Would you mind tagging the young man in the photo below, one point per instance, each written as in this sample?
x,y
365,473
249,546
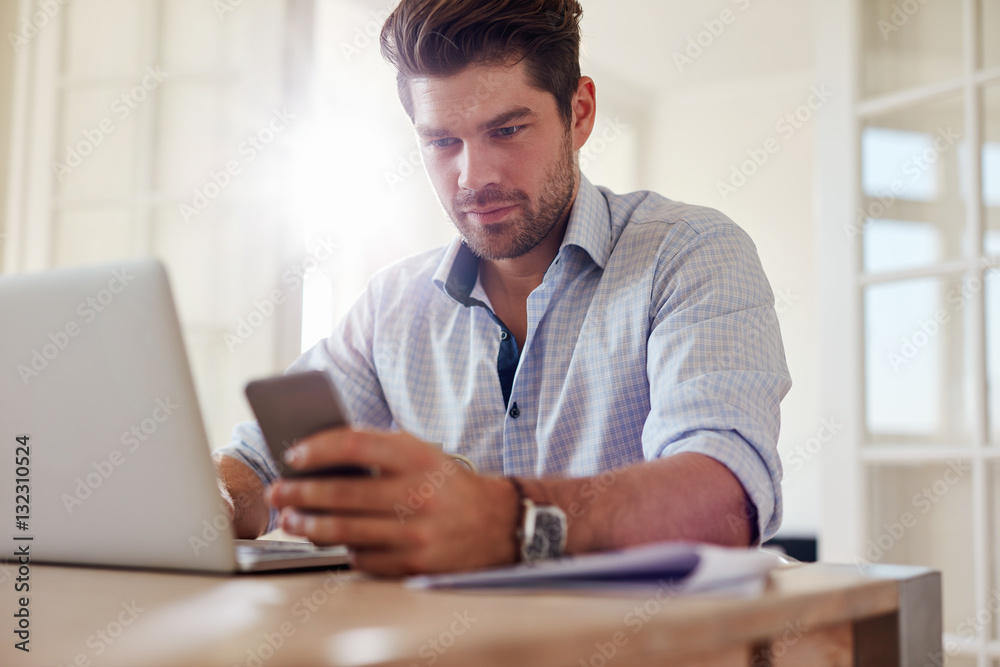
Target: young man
x,y
617,358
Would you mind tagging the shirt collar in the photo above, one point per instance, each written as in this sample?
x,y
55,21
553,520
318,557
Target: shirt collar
x,y
458,272
589,228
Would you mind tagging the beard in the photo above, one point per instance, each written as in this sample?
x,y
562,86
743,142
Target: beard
x,y
520,234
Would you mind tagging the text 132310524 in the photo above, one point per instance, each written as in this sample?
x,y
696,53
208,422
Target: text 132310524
x,y
22,542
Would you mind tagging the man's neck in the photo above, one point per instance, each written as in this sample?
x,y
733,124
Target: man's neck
x,y
509,282
517,277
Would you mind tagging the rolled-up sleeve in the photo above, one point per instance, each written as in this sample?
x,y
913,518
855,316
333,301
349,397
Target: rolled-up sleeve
x,y
716,364
247,445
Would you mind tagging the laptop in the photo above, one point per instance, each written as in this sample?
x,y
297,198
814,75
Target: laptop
x,y
105,460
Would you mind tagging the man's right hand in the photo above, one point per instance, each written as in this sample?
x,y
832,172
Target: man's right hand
x,y
244,493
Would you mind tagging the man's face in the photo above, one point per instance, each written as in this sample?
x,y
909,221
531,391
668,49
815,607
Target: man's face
x,y
498,155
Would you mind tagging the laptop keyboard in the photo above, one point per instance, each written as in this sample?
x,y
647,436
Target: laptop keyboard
x,y
276,547
265,555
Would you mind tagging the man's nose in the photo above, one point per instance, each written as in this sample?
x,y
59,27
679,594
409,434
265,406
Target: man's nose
x,y
479,168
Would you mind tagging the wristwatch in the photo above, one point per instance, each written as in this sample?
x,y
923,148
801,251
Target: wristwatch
x,y
541,533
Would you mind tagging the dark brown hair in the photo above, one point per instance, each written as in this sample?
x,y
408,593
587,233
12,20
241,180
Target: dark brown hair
x,y
443,37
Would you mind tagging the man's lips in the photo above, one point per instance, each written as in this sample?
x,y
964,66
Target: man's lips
x,y
489,215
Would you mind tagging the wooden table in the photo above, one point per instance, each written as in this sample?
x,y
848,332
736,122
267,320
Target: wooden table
x,y
811,615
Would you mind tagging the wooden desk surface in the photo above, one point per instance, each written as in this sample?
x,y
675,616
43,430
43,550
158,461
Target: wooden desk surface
x,y
93,616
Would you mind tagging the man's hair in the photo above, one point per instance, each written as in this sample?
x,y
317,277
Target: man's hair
x,y
442,37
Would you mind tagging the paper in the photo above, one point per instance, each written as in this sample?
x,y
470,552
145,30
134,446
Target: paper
x,y
688,567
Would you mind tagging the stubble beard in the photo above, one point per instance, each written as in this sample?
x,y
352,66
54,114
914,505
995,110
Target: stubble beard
x,y
520,234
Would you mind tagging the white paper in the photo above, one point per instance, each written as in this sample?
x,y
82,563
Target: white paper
x,y
686,566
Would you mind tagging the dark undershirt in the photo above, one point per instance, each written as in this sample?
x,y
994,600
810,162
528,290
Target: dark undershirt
x,y
461,280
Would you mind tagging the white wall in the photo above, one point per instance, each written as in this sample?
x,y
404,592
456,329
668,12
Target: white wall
x,y
8,16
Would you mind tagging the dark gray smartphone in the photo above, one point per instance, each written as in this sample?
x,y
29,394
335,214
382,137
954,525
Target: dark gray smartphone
x,y
291,407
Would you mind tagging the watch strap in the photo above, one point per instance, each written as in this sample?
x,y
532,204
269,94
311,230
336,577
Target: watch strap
x,y
522,511
535,523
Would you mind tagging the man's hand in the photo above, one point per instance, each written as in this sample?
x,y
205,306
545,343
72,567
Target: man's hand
x,y
243,492
423,513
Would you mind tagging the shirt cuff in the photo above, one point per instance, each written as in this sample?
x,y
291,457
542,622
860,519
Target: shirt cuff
x,y
734,452
247,446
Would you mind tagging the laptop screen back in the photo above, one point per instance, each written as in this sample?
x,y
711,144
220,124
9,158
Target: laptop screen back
x,y
94,374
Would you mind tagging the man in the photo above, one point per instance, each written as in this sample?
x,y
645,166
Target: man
x,y
616,357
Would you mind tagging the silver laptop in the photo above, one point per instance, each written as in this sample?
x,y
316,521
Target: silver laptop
x,y
104,459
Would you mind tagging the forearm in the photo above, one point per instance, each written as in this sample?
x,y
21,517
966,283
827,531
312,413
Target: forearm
x,y
686,496
245,492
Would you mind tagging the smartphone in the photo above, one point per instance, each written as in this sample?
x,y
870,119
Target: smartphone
x,y
291,407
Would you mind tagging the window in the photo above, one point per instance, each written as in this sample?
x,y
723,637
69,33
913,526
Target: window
x,y
909,218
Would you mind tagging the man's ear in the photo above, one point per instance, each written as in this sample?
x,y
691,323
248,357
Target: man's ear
x,y
584,112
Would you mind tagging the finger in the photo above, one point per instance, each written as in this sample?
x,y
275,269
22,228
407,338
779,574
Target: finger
x,y
389,452
353,531
336,494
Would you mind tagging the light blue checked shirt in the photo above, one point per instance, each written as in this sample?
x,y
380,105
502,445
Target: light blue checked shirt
x,y
653,333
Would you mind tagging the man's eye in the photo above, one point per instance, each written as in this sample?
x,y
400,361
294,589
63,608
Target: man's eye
x,y
443,143
510,131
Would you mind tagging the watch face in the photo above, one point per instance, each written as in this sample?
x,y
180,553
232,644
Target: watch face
x,y
550,534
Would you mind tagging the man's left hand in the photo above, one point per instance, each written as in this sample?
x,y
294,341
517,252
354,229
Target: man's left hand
x,y
424,512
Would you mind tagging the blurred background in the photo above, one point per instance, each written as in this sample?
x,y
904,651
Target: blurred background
x,y
259,149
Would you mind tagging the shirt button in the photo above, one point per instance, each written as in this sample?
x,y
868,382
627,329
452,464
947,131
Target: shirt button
x,y
503,335
514,411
